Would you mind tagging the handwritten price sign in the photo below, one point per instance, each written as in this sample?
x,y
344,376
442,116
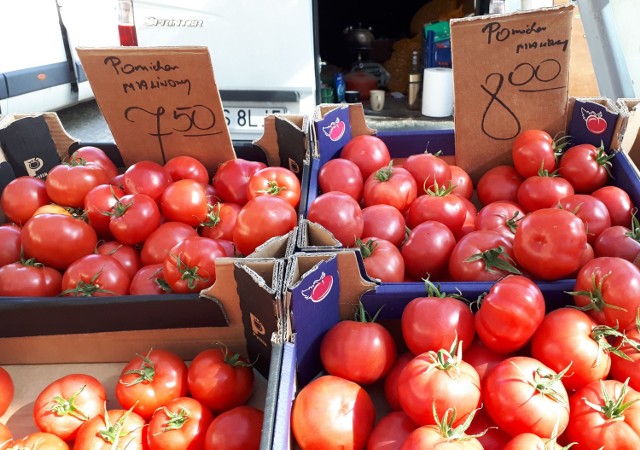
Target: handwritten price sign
x,y
160,102
511,73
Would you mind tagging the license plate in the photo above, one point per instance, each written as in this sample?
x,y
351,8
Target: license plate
x,y
249,118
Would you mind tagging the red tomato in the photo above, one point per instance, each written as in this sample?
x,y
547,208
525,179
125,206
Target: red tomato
x,y
127,255
21,197
533,134
391,431
501,216
39,441
436,321
220,380
239,428
590,210
482,359
278,181
549,243
97,156
68,183
533,153
618,203
369,153
392,186
340,214
187,167
433,436
149,280
619,241
433,383
7,390
180,424
190,266
148,178
98,202
509,314
382,260
10,244
157,246
605,415
500,183
608,288
345,421
27,278
482,255
391,380
232,177
530,441
522,395
185,201
64,405
118,429
542,191
221,221
95,275
627,369
133,218
74,239
439,205
428,170
487,432
148,382
470,217
359,350
427,249
384,222
462,181
6,437
585,167
342,175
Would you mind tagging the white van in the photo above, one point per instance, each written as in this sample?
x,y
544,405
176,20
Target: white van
x,y
264,53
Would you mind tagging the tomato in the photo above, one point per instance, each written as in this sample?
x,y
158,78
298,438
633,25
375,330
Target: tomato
x,y
586,167
369,153
133,218
487,432
549,243
441,437
190,265
482,359
149,280
501,216
179,424
391,380
509,314
542,191
21,197
618,203
278,181
342,175
434,382
427,249
568,336
391,431
67,403
469,223
428,170
148,178
439,205
619,241
533,153
382,260
7,390
533,134
220,221
98,203
185,201
500,183
95,275
239,428
220,380
10,244
150,381
117,429
340,214
68,183
345,421
28,278
530,441
522,395
6,437
232,178
462,181
384,222
358,350
590,210
608,289
39,441
393,186
72,239
187,167
482,255
127,255
161,240
626,368
436,321
605,414
95,155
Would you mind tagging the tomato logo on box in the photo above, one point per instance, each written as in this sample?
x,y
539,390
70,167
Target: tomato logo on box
x,y
594,121
319,289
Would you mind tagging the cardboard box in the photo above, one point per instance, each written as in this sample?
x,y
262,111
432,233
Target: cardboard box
x,y
630,128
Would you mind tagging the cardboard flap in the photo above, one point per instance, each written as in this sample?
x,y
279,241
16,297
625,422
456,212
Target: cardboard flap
x,y
315,235
334,125
286,141
630,143
594,121
160,102
511,73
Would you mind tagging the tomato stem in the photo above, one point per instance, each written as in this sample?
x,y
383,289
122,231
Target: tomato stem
x,y
495,260
613,408
145,373
60,406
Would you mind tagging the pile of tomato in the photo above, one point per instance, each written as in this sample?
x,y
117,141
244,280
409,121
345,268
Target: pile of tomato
x,y
544,216
89,229
159,403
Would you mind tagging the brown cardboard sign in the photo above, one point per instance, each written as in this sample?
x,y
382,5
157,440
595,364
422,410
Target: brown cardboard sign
x,y
511,73
160,102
